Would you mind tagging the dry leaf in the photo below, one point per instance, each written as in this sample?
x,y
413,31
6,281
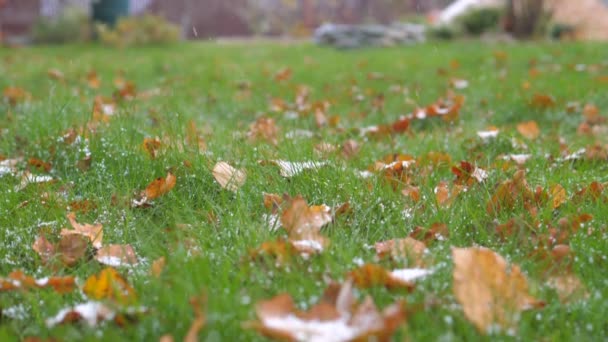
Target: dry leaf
x,y
94,232
491,292
152,146
157,188
200,319
569,287
158,266
116,255
289,169
228,177
337,317
408,248
109,284
370,275
90,312
72,248
264,129
17,280
558,196
44,248
529,129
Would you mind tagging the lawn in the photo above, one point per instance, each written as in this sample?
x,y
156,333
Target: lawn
x,y
199,104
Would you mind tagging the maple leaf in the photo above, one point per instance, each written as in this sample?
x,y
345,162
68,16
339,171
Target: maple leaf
x,y
228,177
109,284
511,192
94,232
491,292
337,317
116,255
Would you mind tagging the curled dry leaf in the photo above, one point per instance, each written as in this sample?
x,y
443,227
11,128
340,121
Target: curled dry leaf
x,y
109,284
371,275
17,280
558,196
337,317
467,174
152,146
94,232
94,313
157,267
116,255
200,319
72,248
303,225
159,187
228,177
289,169
491,292
408,248
44,248
437,231
264,129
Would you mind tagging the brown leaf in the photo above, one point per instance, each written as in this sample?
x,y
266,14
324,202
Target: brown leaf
x,y
200,319
40,164
264,129
558,196
44,248
152,146
437,231
408,248
529,129
109,284
228,177
158,266
337,317
543,101
491,292
15,95
371,275
72,248
94,232
17,280
569,287
93,80
116,255
160,186
303,224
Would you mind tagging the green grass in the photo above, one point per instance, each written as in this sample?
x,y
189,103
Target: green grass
x,y
200,83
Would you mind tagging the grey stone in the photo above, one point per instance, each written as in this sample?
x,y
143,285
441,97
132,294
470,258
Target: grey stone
x,y
358,36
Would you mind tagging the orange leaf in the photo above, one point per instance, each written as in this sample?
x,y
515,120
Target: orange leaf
x,y
407,248
529,129
200,319
17,280
152,146
158,266
370,275
109,284
160,186
94,232
491,292
558,196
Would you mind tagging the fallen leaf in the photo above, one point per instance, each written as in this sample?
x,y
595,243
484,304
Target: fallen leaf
x,y
55,74
264,129
407,248
198,303
371,275
160,186
228,177
289,169
44,248
437,231
15,95
569,287
491,292
529,129
158,266
72,248
116,255
94,232
558,196
90,312
93,80
17,280
152,146
337,317
109,284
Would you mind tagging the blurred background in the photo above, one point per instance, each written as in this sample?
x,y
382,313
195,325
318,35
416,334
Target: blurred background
x,y
58,21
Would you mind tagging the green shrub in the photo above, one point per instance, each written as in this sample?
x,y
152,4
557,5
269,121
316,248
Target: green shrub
x,y
481,20
137,31
443,32
71,26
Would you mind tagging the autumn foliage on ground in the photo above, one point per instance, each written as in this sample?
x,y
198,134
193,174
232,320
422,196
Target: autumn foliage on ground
x,y
219,192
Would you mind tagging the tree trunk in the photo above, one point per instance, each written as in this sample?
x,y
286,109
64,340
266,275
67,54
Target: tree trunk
x,y
523,17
